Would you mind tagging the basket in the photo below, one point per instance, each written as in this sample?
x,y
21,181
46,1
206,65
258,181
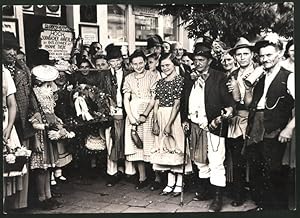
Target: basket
x,y
168,153
95,143
17,166
166,158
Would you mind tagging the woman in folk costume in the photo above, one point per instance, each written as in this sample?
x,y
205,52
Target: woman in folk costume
x,y
138,92
24,99
12,181
169,137
49,129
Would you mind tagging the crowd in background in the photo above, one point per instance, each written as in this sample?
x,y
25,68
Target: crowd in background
x,y
217,118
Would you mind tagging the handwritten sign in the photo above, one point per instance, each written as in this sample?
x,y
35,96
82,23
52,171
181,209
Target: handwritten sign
x,y
57,40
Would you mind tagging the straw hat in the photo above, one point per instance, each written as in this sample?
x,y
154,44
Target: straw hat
x,y
45,73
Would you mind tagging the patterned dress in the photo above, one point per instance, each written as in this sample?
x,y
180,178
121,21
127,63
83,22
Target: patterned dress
x,y
141,91
49,155
167,92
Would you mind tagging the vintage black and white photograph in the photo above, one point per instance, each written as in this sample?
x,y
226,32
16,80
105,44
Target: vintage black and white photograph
x,y
158,108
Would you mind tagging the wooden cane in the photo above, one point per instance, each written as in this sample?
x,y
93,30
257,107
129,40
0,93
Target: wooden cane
x,y
183,170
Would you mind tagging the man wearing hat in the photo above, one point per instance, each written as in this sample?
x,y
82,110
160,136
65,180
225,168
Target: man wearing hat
x,y
206,105
25,103
113,81
154,45
243,53
270,125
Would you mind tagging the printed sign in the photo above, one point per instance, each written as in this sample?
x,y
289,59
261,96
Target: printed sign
x,y
57,40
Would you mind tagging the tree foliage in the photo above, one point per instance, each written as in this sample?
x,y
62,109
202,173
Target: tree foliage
x,y
232,20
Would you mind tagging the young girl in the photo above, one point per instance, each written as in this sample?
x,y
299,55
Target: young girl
x,y
167,123
49,129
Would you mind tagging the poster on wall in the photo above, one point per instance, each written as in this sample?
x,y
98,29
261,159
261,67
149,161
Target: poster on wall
x,y
89,33
57,40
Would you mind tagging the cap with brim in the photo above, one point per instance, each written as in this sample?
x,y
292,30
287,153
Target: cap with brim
x,y
40,57
45,73
153,41
202,49
114,52
241,43
10,41
270,39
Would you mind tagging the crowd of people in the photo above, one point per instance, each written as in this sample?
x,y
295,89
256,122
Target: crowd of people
x,y
162,118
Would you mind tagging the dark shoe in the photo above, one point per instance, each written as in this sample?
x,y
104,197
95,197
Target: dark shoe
x,y
203,193
56,194
217,203
177,191
237,202
131,179
202,196
167,190
141,184
56,204
155,186
112,180
46,205
215,206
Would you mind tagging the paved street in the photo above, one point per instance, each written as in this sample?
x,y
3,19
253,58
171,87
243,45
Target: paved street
x,y
123,198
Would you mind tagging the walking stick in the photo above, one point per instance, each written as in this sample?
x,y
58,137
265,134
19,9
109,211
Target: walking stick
x,y
184,160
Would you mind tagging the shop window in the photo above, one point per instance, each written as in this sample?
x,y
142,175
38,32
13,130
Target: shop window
x,y
170,28
116,23
88,13
145,26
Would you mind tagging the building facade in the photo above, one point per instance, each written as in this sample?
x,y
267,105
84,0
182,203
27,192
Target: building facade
x,y
120,24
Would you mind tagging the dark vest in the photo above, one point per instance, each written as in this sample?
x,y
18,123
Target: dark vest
x,y
279,103
216,98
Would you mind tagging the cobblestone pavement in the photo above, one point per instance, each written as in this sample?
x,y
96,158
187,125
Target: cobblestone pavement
x,y
123,198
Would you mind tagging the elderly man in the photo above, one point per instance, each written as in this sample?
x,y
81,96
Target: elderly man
x,y
270,125
243,53
205,106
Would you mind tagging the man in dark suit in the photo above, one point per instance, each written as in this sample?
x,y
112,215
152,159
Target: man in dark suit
x,y
206,104
112,82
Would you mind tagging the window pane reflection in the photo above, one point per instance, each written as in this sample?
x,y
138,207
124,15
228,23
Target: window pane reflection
x,y
169,28
145,26
116,23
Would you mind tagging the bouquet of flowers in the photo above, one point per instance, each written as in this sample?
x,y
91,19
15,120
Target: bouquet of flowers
x,y
91,103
